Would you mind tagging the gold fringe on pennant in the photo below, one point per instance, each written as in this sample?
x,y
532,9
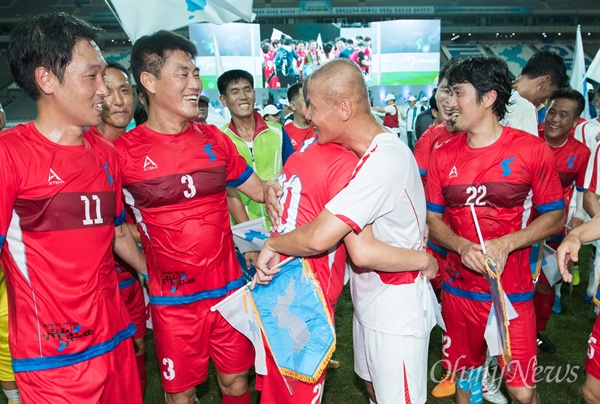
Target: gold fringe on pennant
x,y
538,263
506,352
308,272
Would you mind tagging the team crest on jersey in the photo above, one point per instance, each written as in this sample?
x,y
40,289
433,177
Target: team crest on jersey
x,y
149,164
53,178
453,173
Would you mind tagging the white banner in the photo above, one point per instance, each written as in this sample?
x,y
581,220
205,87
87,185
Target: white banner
x,y
144,17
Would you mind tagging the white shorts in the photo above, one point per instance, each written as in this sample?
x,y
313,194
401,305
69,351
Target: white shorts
x,y
396,365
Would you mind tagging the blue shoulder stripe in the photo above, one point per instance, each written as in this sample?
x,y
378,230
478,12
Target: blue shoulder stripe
x,y
551,206
2,240
242,178
119,220
205,294
432,207
580,189
423,172
56,361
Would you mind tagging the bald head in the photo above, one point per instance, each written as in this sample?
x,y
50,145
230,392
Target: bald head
x,y
338,80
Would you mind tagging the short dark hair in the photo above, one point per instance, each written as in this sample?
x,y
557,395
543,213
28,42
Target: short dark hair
x,y
570,94
446,67
358,37
118,66
547,63
46,40
433,102
485,73
293,91
232,77
150,53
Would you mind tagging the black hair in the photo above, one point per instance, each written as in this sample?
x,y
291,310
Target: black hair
x,y
232,77
265,47
433,102
150,53
46,40
547,63
485,73
570,94
118,66
328,47
293,91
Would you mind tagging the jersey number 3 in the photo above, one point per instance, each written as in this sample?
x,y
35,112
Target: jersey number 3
x,y
191,191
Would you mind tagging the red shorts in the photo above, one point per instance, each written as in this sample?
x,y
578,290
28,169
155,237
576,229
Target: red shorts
x,y
109,378
187,335
133,297
275,390
464,345
592,363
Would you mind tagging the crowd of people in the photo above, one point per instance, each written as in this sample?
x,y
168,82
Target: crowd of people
x,y
287,61
420,219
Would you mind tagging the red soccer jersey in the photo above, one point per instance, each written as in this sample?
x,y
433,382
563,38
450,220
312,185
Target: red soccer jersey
x,y
499,181
571,161
298,135
176,185
58,208
310,178
432,138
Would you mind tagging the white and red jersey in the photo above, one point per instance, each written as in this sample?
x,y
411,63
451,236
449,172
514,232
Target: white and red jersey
x,y
310,178
587,132
592,178
298,135
386,191
176,187
58,209
502,181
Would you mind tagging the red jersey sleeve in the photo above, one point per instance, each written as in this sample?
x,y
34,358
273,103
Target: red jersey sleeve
x,y
546,187
433,188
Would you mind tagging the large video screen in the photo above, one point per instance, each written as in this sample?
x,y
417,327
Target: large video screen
x,y
226,47
405,52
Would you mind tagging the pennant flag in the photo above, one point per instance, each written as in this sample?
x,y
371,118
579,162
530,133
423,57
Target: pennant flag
x,y
250,235
499,308
277,34
319,42
292,313
144,17
593,72
238,310
578,81
550,265
296,323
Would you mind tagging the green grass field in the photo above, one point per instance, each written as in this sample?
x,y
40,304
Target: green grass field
x,y
559,381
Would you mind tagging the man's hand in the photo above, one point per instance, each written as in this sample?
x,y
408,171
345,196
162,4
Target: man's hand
x,y
251,258
472,257
272,193
498,250
567,251
432,269
267,259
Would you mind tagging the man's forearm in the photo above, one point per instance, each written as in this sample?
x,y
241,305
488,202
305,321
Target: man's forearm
x,y
127,249
591,204
312,238
588,231
544,226
442,234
